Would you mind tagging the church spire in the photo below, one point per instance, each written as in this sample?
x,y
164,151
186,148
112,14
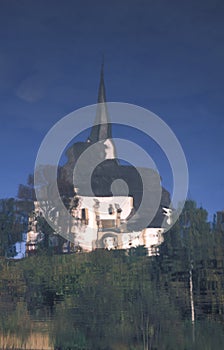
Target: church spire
x,y
101,129
102,90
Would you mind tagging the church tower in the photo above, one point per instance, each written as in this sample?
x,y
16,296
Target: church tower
x,y
100,134
102,130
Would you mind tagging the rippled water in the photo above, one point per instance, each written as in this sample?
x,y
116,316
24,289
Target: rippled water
x,y
111,300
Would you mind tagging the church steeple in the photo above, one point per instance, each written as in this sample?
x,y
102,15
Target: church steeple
x,y
102,90
101,129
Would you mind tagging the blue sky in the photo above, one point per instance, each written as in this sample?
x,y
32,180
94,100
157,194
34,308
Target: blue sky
x,y
166,56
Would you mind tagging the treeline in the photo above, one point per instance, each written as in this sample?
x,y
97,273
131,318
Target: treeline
x,y
14,213
13,222
119,300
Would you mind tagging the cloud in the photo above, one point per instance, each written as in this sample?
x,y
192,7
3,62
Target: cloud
x,y
32,88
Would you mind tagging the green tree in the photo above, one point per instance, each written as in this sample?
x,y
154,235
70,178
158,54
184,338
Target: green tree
x,y
13,221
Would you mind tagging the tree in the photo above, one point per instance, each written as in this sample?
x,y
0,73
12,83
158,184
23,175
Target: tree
x,y
12,224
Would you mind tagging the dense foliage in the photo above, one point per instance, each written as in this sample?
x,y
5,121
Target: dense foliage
x,y
114,300
13,222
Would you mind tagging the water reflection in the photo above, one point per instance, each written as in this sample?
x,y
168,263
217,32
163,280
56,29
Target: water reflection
x,y
111,300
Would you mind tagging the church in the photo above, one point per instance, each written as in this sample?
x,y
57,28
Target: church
x,y
103,219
